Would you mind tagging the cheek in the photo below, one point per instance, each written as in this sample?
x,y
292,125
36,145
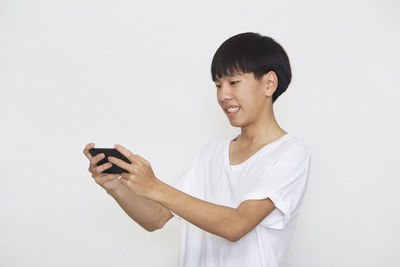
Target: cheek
x,y
251,105
246,102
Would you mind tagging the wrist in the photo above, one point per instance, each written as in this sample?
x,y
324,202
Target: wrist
x,y
157,193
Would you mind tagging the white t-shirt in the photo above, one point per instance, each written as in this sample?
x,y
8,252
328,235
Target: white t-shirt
x,y
279,171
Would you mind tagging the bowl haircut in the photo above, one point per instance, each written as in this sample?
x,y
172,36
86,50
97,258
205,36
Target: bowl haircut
x,y
252,52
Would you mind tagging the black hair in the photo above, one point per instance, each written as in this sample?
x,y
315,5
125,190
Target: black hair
x,y
252,52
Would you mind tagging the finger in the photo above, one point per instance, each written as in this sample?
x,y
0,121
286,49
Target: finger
x,y
99,169
120,163
95,160
125,175
122,179
86,150
142,159
125,182
126,153
103,178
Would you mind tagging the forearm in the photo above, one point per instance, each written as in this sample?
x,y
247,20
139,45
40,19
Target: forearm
x,y
145,212
220,220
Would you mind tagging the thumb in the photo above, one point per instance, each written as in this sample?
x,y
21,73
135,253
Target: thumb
x,y
106,177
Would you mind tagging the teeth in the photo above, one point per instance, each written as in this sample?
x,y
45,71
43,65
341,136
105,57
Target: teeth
x,y
233,109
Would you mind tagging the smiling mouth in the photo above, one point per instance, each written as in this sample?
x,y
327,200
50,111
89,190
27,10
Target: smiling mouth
x,y
232,110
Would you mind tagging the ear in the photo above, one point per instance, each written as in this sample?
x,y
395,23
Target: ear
x,y
270,82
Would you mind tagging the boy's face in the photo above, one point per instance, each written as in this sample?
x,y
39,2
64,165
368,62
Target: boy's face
x,y
249,98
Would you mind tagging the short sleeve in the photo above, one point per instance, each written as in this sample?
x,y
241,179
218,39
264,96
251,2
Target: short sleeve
x,y
285,184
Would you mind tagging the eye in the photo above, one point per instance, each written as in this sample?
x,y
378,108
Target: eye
x,y
217,85
234,82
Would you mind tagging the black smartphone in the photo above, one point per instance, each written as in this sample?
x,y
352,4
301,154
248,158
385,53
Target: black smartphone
x,y
109,152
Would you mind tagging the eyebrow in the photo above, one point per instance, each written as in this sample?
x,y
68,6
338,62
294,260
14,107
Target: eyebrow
x,y
231,75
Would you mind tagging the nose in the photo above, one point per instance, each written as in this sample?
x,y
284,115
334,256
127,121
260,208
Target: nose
x,y
224,92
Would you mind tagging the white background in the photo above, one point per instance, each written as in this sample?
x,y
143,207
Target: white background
x,y
138,74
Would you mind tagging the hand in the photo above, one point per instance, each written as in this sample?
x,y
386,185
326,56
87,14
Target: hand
x,y
108,181
140,179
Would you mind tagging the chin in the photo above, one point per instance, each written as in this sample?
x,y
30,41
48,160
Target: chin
x,y
235,123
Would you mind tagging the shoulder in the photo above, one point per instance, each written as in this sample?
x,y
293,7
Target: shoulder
x,y
293,150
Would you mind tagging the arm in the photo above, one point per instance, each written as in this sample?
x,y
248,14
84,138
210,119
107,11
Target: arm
x,y
229,223
147,213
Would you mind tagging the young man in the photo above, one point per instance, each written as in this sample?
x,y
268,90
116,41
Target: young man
x,y
240,197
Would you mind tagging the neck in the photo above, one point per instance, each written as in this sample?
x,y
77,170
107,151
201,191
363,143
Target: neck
x,y
264,130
